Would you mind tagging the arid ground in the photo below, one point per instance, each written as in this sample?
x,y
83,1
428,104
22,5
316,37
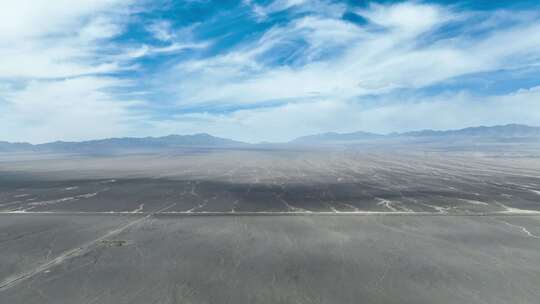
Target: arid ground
x,y
270,227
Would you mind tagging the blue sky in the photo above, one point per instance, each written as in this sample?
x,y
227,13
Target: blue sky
x,y
264,70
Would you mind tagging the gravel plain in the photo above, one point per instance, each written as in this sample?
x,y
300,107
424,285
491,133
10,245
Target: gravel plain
x,y
270,227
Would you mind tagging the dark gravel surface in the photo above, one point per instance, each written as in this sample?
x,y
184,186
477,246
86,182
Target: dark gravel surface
x,y
272,259
274,182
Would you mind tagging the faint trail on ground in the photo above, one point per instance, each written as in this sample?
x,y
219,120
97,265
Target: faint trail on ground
x,y
66,255
523,229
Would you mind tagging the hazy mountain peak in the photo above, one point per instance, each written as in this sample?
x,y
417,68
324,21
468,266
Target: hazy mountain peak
x,y
126,144
499,131
509,132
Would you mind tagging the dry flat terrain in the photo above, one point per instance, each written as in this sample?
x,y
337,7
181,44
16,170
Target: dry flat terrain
x,y
274,181
270,227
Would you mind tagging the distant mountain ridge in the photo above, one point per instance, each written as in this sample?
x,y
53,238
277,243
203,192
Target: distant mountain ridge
x,y
500,131
510,130
503,133
125,144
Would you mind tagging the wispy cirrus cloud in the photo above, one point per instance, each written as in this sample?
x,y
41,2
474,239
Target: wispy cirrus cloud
x,y
332,58
45,39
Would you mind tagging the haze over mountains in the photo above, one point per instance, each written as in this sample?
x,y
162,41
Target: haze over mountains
x,y
510,132
502,133
125,144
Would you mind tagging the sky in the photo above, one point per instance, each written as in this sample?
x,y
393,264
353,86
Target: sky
x,y
267,70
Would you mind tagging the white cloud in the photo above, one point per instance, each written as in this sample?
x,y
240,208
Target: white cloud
x,y
359,60
283,123
177,40
58,60
37,18
99,28
242,76
319,7
406,17
50,39
48,50
147,50
58,67
277,5
71,109
161,30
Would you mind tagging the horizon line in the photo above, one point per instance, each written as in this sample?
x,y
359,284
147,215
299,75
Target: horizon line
x,y
267,142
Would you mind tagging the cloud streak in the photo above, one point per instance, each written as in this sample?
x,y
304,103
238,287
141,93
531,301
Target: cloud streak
x,y
333,58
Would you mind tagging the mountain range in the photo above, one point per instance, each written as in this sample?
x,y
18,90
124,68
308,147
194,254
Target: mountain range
x,y
126,144
503,133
